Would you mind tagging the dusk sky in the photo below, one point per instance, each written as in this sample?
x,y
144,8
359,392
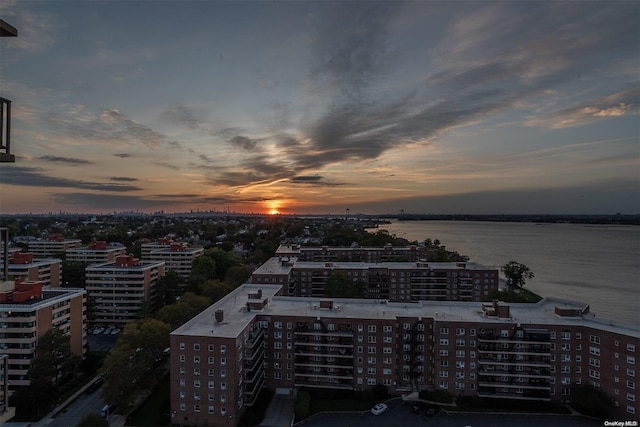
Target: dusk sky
x,y
319,107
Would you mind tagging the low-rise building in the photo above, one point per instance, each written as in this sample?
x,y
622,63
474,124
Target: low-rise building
x,y
27,311
120,290
52,246
255,338
97,251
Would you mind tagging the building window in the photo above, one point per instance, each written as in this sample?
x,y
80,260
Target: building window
x,y
566,335
594,339
210,347
196,347
182,346
196,359
444,331
631,360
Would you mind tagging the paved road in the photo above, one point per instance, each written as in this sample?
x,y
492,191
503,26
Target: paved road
x,y
85,404
401,415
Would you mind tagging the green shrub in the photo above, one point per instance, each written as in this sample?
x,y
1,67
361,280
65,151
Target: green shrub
x,y
303,403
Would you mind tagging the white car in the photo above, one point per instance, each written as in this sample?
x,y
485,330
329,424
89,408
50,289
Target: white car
x,y
379,409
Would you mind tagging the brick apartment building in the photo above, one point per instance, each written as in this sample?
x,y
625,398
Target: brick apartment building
x,y
27,312
23,265
255,338
177,256
385,253
97,251
120,289
393,281
54,245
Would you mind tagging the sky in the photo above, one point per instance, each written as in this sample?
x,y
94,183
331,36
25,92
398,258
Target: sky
x,y
321,107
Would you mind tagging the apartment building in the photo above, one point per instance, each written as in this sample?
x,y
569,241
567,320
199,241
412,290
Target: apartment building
x,y
255,337
159,244
54,245
97,251
393,281
385,253
120,289
27,311
23,266
176,256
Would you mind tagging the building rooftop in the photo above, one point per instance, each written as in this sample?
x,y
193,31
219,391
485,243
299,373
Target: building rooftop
x,y
236,316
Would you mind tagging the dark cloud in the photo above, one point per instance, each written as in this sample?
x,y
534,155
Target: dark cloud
x,y
109,125
124,155
182,115
349,50
243,142
70,161
109,202
167,165
35,177
313,180
123,179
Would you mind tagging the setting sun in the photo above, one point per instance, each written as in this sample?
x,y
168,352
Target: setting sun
x,y
273,212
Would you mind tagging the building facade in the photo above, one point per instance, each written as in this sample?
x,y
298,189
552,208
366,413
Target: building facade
x,y
176,256
23,266
121,289
27,312
393,281
97,251
385,253
255,337
53,246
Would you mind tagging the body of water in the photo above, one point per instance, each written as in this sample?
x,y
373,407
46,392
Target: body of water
x,y
597,265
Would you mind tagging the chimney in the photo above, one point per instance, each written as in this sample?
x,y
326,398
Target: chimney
x,y
219,315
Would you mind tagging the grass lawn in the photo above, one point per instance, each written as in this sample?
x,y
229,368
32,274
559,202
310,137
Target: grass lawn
x,y
150,413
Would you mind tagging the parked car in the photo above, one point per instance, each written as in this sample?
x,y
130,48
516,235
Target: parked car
x,y
96,385
115,331
379,409
432,410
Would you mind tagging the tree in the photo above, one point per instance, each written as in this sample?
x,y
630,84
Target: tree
x,y
516,274
74,274
170,287
340,285
181,311
129,365
53,360
237,275
214,290
93,420
203,269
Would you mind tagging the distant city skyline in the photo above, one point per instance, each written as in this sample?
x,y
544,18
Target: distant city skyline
x,y
322,107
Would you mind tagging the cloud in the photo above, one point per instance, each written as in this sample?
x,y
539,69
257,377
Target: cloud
x,y
108,202
313,180
123,179
182,115
35,29
124,155
66,160
34,177
243,142
108,125
615,105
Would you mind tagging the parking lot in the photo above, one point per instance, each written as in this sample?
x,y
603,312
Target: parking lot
x,y
401,414
101,342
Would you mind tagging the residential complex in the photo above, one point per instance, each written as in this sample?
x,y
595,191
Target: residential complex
x,y
120,290
23,265
27,312
358,254
97,251
176,256
256,337
393,281
53,246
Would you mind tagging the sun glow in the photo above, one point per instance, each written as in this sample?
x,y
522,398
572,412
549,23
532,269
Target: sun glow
x,y
273,207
